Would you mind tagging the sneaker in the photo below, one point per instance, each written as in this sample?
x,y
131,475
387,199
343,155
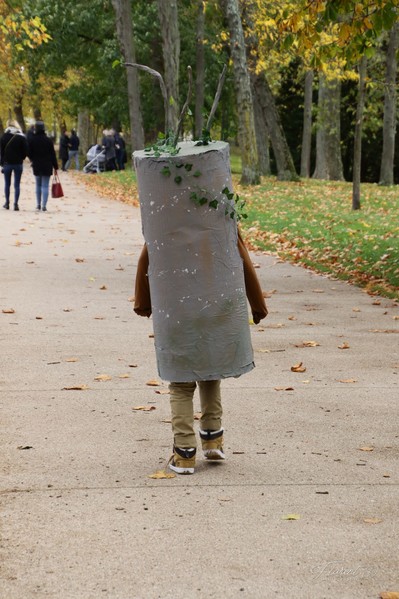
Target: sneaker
x,y
212,444
44,209
183,460
37,208
16,207
6,206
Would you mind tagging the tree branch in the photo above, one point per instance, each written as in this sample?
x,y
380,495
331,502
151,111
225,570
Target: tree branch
x,y
217,98
185,107
161,82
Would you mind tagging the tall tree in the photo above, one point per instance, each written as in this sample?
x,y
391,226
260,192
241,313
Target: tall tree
x,y
124,29
200,70
357,154
328,136
168,17
389,127
307,125
246,123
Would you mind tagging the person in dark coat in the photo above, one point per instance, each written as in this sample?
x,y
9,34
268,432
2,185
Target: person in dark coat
x,y
13,151
120,147
44,162
108,144
64,147
73,153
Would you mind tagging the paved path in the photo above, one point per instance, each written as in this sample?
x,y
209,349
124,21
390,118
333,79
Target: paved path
x,y
80,517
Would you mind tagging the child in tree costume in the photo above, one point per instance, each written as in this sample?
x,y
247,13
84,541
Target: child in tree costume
x,y
194,276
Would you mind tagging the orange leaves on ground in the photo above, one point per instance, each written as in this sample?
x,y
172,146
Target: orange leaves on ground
x,y
153,383
103,377
76,388
80,260
389,595
298,367
347,380
366,448
144,408
162,474
345,345
8,311
307,344
284,388
372,520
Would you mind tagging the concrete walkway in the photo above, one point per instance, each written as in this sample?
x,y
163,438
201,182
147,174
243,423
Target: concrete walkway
x,y
305,506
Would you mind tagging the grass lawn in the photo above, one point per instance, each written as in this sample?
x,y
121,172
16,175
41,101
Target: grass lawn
x,y
309,223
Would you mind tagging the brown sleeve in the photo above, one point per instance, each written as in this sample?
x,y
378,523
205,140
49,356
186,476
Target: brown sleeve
x,y
252,285
142,297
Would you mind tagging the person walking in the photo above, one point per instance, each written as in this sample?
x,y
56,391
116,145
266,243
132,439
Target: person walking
x,y
44,162
13,151
73,152
64,149
108,144
120,148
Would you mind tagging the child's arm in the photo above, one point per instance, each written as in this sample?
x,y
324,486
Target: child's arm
x,y
142,297
252,285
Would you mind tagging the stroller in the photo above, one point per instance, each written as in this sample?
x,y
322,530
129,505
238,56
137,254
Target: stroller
x,y
95,160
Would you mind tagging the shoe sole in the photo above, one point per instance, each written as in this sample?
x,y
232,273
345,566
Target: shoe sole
x,y
179,470
214,454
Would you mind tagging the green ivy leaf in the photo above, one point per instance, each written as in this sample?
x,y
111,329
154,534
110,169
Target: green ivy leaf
x,y
166,171
213,203
197,174
178,179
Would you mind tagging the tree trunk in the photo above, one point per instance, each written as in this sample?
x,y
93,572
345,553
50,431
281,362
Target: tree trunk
x,y
84,131
124,29
262,138
168,17
285,165
328,137
307,125
357,153
200,71
246,124
389,127
18,111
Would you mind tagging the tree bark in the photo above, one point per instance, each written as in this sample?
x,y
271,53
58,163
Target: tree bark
x,y
168,18
262,138
285,165
19,113
328,137
389,127
84,131
124,27
246,124
307,125
200,70
357,153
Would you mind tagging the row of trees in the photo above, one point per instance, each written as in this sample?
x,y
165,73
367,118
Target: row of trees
x,y
306,82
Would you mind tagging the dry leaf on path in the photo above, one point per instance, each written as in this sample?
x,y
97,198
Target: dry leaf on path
x,y
389,595
8,311
76,388
298,367
372,520
366,448
79,260
71,360
162,391
284,388
144,408
103,287
291,517
345,345
197,416
162,474
347,380
103,377
307,344
153,383
124,376
133,365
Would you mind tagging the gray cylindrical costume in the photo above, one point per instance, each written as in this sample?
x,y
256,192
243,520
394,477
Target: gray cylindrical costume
x,y
196,276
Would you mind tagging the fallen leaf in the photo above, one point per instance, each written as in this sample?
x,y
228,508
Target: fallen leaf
x,y
307,344
356,310
344,345
103,287
8,311
298,367
25,447
79,260
383,330
39,317
389,595
167,420
131,298
292,318
153,383
144,408
372,520
291,517
162,391
132,365
67,310
151,336
124,376
318,290
76,388
238,452
224,498
99,318
366,448
284,388
71,360
162,474
347,380
103,377
197,416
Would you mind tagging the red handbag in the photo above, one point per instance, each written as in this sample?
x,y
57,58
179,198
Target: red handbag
x,y
56,187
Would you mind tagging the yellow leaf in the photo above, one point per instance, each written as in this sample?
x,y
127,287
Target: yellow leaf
x,y
144,408
71,360
103,377
8,311
153,383
308,344
291,517
284,388
366,448
124,376
344,345
162,474
347,381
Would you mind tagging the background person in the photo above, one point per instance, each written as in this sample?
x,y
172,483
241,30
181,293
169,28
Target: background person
x,y
13,151
73,152
108,144
44,161
64,149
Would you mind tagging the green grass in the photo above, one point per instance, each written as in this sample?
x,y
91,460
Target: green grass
x,y
309,223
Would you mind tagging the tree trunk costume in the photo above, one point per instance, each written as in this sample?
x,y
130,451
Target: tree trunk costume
x,y
194,273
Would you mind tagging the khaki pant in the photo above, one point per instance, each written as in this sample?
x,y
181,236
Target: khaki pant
x,y
181,403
